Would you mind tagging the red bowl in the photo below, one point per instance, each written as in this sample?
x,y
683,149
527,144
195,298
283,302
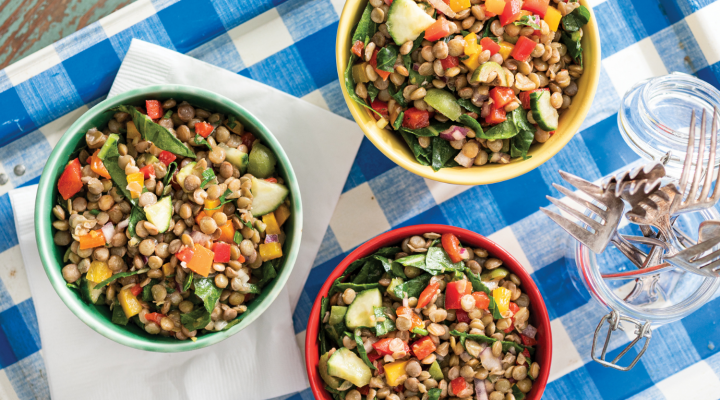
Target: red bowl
x,y
538,311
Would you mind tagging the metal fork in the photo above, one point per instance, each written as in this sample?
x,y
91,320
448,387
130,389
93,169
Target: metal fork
x,y
692,202
605,231
695,260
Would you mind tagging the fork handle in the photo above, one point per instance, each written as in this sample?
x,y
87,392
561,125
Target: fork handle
x,y
634,254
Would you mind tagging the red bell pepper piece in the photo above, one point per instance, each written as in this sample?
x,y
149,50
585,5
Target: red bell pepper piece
x,y
373,62
136,290
166,157
496,116
488,14
97,166
69,183
203,129
383,347
357,48
454,291
501,96
523,48
148,171
428,294
388,2
416,119
374,355
154,109
381,107
437,30
538,7
423,347
417,321
526,353
451,244
489,44
528,341
482,301
450,61
222,252
525,97
458,385
364,390
271,180
511,12
462,316
248,139
514,309
155,317
185,254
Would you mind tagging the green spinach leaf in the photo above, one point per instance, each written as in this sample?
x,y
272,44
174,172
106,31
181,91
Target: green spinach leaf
x,y
200,141
155,133
342,286
384,323
372,91
472,123
397,94
117,174
237,238
371,272
350,85
519,118
517,393
413,287
489,340
503,130
442,153
399,120
520,144
136,216
118,315
434,394
574,48
196,319
366,27
422,155
386,58
438,260
361,350
268,273
414,260
468,105
388,252
170,172
391,267
188,282
528,20
576,19
206,290
118,276
486,30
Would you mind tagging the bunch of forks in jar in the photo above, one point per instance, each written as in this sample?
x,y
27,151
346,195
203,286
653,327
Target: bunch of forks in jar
x,y
645,198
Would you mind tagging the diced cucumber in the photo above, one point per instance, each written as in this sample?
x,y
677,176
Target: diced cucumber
x,y
89,293
118,315
543,112
336,323
436,372
160,213
347,365
482,74
361,313
443,102
267,196
406,21
236,157
110,142
494,274
262,161
331,381
391,288
187,171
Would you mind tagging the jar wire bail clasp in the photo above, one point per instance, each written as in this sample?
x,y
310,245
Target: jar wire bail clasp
x,y
642,330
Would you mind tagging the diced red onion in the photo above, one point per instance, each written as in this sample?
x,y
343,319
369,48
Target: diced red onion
x,y
271,239
454,133
124,223
145,259
416,67
478,98
480,389
108,231
464,253
489,361
466,162
530,331
442,7
199,237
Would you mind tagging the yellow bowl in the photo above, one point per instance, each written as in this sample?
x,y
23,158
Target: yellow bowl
x,y
392,145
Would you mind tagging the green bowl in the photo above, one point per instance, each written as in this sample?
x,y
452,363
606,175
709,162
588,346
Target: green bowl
x,y
98,317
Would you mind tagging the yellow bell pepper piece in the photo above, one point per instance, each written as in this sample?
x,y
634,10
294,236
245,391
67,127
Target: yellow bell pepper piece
x,y
472,46
459,5
209,204
506,49
270,251
168,269
271,224
136,182
282,214
130,304
394,371
132,130
552,18
502,298
472,61
98,272
495,6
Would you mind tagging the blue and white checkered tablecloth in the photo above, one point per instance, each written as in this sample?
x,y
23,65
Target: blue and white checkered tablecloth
x,y
290,45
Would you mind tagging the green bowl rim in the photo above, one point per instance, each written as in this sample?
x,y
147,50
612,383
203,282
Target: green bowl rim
x,y
44,236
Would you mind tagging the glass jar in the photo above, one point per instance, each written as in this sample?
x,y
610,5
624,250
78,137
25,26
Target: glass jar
x,y
655,115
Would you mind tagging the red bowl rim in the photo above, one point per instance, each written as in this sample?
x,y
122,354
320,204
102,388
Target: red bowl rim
x,y
539,310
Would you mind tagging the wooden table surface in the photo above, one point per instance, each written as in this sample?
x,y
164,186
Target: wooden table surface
x,y
29,25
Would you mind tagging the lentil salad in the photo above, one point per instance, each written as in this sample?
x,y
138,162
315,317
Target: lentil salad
x,y
467,82
173,217
426,320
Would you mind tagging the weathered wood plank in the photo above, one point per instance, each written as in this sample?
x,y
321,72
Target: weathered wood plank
x,y
29,25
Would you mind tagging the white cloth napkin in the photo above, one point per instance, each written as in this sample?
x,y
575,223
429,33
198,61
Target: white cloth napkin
x,y
262,361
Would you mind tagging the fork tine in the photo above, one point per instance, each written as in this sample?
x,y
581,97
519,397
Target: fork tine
x,y
710,168
686,165
569,193
692,196
581,234
716,192
586,187
575,213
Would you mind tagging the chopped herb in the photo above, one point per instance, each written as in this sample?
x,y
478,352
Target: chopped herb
x,y
168,114
120,275
231,122
223,200
208,175
95,212
200,141
237,238
155,133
